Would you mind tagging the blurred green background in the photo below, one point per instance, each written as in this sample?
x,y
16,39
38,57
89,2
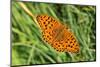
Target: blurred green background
x,y
27,45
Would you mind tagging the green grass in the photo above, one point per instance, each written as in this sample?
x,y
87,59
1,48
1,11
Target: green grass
x,y
27,44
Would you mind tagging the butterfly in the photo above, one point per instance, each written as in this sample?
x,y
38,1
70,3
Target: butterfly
x,y
57,35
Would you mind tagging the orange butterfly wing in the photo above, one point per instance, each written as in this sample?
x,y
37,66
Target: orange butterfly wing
x,y
66,43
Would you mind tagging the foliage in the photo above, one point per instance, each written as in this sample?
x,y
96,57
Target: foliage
x,y
27,44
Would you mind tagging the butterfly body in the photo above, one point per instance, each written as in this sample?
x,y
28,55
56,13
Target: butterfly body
x,y
57,35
